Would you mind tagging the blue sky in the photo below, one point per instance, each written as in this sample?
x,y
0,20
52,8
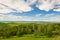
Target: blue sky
x,y
30,10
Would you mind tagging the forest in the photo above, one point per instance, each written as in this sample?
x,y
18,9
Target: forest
x,y
11,29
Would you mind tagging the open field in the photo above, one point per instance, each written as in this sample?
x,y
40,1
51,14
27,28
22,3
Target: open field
x,y
29,37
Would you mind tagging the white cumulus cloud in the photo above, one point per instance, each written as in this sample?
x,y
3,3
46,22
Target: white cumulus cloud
x,y
15,5
25,5
4,9
46,4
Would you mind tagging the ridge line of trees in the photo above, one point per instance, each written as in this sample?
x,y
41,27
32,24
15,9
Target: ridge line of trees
x,y
8,30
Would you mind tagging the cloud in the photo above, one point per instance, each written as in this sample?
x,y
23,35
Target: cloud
x,y
7,6
57,10
51,19
31,2
57,6
16,18
10,18
14,5
37,15
46,4
27,18
54,19
25,5
49,15
4,9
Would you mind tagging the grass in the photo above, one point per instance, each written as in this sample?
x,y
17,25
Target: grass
x,y
30,37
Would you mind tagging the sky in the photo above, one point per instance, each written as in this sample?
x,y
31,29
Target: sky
x,y
30,10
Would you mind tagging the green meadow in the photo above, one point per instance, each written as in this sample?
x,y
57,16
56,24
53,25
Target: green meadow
x,y
29,37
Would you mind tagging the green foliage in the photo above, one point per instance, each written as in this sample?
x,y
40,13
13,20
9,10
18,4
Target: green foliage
x,y
8,30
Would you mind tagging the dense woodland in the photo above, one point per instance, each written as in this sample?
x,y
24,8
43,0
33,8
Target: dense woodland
x,y
8,30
